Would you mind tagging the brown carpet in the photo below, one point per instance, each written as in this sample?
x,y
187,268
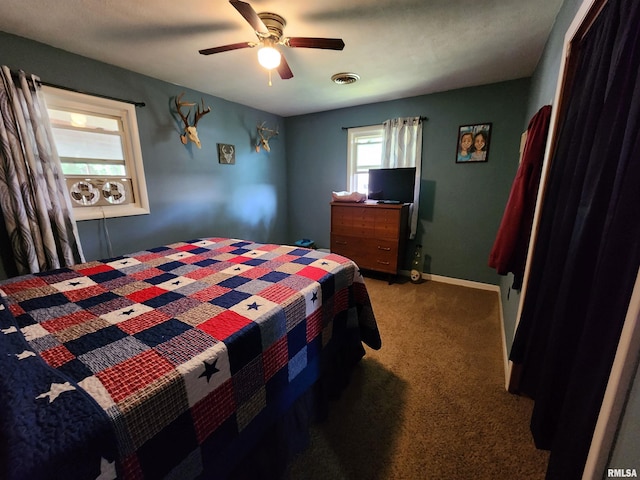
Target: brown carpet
x,y
431,404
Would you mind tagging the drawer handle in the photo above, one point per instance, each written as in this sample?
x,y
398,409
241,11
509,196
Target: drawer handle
x,y
338,242
386,249
383,263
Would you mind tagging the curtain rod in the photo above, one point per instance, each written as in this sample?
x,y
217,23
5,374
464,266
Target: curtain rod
x,y
69,89
422,119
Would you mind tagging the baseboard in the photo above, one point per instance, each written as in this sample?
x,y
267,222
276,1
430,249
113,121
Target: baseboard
x,y
456,281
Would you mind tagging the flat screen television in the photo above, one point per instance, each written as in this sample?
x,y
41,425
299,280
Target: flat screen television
x,y
392,185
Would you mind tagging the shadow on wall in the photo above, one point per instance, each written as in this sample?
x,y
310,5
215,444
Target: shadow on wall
x,y
254,206
427,199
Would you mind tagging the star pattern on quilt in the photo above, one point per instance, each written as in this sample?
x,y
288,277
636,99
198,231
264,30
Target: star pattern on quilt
x,y
253,306
107,470
9,330
209,370
56,390
25,354
314,298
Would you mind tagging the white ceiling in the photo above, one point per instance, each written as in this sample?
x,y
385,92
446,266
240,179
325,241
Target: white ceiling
x,y
400,48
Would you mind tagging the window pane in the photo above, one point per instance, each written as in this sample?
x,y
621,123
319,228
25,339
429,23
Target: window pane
x,y
94,169
369,155
362,182
80,144
82,120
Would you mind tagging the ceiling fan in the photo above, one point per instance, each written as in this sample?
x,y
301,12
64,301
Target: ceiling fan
x,y
269,29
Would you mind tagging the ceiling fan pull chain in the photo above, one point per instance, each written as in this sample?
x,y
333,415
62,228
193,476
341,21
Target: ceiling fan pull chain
x,y
270,84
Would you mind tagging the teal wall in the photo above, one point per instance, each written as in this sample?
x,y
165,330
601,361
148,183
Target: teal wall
x,y
461,205
190,193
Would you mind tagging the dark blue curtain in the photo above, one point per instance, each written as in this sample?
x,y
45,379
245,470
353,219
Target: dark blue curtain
x,y
587,252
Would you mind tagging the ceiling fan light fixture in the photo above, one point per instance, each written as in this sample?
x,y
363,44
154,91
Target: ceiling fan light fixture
x,y
345,78
269,57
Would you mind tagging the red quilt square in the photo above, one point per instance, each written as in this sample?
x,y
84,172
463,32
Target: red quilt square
x,y
210,412
314,325
145,294
83,293
96,269
255,272
274,358
277,293
341,301
34,282
61,323
313,273
137,372
209,293
57,356
223,325
148,273
200,272
143,321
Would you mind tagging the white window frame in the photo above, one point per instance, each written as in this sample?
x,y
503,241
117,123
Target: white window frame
x,y
65,99
354,134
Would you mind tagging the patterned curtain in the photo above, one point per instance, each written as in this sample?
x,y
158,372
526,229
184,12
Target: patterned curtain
x,y
401,148
33,196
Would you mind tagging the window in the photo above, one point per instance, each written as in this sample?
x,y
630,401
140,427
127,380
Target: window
x,y
365,152
99,147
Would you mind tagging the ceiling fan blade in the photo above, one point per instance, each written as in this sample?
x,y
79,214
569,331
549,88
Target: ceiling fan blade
x,y
283,69
310,42
226,48
250,15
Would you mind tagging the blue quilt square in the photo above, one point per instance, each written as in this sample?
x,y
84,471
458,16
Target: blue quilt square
x,y
162,300
75,369
169,266
234,282
240,244
215,450
168,448
158,249
105,297
243,346
254,262
299,252
274,277
314,348
304,260
239,251
198,251
206,262
157,280
161,333
328,285
47,301
94,340
106,276
229,299
297,338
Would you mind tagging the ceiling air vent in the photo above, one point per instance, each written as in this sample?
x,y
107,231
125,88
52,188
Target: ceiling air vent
x,y
345,78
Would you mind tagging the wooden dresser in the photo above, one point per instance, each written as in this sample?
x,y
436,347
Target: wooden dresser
x,y
371,234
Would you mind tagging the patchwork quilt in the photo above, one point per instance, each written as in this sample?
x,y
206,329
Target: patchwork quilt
x,y
169,362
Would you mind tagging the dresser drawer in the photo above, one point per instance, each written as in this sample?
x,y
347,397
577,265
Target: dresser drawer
x,y
370,234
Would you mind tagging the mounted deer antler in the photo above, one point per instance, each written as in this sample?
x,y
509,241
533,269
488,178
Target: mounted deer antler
x,y
190,132
265,135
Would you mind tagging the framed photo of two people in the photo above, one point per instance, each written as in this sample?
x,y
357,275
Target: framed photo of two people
x,y
473,143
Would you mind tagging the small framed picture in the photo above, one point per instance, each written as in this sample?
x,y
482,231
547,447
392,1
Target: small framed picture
x,y
226,154
473,143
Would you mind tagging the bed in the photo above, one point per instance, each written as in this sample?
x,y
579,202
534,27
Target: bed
x,y
174,362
